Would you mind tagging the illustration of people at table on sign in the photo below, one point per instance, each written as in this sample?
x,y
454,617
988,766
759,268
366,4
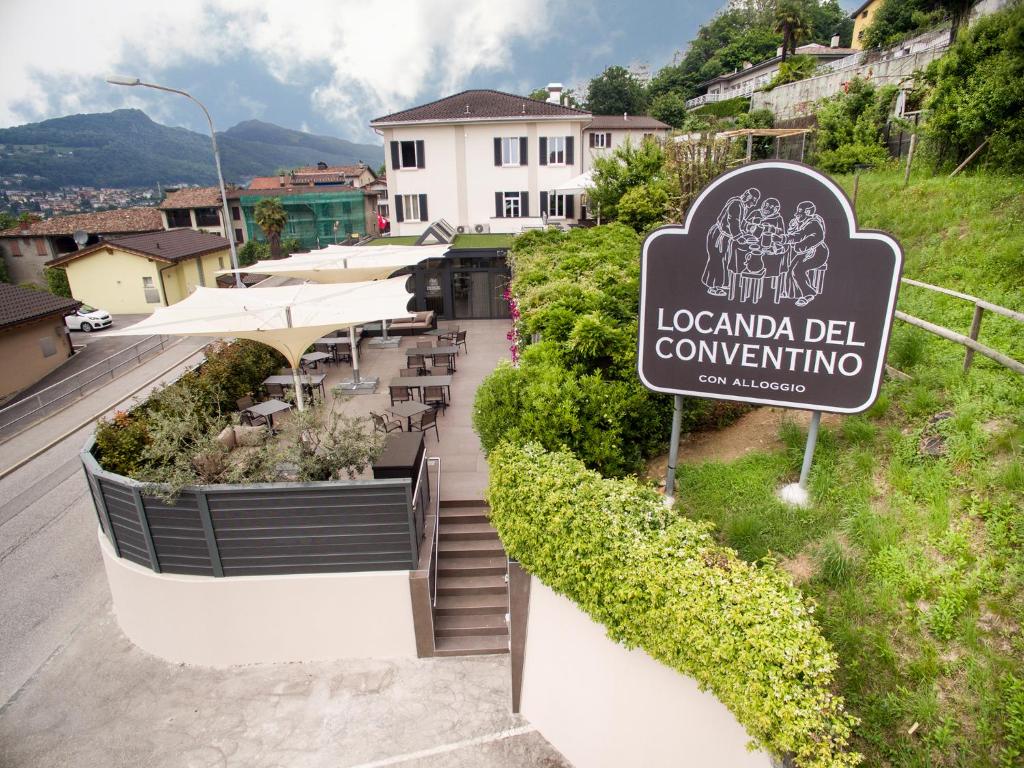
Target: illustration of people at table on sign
x,y
750,244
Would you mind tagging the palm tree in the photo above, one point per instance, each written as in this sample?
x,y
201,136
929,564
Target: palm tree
x,y
792,23
271,218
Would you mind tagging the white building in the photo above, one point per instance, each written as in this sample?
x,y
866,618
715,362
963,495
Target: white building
x,y
483,160
606,133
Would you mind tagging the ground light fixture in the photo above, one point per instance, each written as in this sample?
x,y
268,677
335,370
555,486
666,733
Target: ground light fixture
x,y
225,214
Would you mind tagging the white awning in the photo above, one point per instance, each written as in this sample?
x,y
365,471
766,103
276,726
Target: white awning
x,y
288,318
342,264
578,184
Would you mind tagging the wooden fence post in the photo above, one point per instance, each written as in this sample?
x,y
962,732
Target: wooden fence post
x,y
975,330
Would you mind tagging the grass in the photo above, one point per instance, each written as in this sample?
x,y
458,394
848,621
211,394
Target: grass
x,y
461,242
395,240
916,562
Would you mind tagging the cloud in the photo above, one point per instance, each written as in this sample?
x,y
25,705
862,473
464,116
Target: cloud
x,y
356,60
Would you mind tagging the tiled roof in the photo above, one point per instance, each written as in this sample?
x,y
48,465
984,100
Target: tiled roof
x,y
817,49
632,122
339,170
300,189
171,246
18,305
481,105
193,197
98,223
265,182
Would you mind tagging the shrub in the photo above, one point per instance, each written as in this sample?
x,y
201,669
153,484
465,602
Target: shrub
x,y
628,166
793,69
252,252
57,282
850,127
659,582
977,94
121,443
644,207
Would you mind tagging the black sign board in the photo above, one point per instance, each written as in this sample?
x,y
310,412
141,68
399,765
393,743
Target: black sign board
x,y
769,294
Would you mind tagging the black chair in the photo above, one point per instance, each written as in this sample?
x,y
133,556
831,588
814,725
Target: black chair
x,y
446,361
437,370
427,420
247,419
460,341
385,425
419,362
424,345
275,391
245,402
410,372
400,394
434,396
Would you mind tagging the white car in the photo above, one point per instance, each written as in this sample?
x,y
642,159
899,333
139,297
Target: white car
x,y
88,319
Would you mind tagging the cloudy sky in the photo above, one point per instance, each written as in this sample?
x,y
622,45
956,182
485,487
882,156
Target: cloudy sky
x,y
324,66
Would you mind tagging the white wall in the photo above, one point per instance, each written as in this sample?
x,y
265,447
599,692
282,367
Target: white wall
x,y
221,622
460,178
605,707
619,137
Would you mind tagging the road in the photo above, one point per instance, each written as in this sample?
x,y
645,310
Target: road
x,y
50,565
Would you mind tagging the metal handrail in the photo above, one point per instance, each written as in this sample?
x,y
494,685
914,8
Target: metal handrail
x,y
437,524
76,383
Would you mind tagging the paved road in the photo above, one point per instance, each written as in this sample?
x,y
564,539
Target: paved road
x,y
49,561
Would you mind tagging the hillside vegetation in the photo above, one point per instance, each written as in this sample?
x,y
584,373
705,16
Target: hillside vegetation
x,y
916,560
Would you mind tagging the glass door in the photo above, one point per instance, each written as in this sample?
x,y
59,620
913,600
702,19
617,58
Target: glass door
x,y
471,294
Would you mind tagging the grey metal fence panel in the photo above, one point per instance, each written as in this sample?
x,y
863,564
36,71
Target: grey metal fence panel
x,y
265,529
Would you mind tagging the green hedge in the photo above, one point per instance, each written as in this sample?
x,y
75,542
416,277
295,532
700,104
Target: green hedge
x,y
726,108
578,386
659,582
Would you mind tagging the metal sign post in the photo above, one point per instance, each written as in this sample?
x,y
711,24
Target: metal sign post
x,y
673,451
796,493
768,294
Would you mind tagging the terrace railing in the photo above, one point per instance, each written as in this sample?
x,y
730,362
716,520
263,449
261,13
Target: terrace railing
x,y
263,529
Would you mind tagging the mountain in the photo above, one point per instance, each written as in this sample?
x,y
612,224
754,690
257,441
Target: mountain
x,y
125,148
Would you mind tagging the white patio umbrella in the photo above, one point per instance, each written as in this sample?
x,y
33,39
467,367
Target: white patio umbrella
x,y
344,264
288,318
578,184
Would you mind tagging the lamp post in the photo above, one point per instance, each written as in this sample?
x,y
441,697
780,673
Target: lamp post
x,y
224,212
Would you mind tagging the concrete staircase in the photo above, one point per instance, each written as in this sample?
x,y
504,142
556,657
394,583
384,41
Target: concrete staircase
x,y
472,592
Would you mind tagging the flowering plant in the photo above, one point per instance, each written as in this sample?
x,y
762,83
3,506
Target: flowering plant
x,y
513,334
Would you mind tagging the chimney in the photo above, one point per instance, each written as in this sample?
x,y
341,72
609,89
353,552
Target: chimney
x,y
555,93
747,64
625,116
834,42
280,179
321,166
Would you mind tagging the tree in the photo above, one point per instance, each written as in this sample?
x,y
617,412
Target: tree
x,y
29,218
795,68
57,281
271,217
976,94
791,22
627,167
615,91
896,19
7,221
669,108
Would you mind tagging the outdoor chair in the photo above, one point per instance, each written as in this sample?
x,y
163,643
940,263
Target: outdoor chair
x,y
427,420
245,402
445,361
424,345
410,372
434,396
460,340
449,336
416,361
247,419
437,370
275,391
400,394
384,425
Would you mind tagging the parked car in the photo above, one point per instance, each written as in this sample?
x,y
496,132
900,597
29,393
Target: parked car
x,y
88,319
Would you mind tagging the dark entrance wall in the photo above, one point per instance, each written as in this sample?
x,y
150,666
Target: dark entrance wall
x,y
465,284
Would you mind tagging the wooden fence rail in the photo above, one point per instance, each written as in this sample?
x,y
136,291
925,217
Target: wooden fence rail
x,y
970,341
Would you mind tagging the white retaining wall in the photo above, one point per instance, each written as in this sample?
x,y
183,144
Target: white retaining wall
x,y
605,707
221,622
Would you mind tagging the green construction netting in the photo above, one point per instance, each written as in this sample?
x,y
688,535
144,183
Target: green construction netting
x,y
315,219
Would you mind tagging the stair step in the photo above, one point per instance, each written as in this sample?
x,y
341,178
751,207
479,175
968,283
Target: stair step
x,y
477,645
464,515
453,503
472,585
470,548
471,566
478,604
471,624
467,531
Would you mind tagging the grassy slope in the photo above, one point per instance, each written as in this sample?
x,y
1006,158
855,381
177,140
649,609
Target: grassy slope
x,y
917,563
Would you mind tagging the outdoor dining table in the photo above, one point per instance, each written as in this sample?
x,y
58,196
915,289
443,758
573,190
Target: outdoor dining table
x,y
267,409
339,346
430,351
315,357
308,379
424,381
407,409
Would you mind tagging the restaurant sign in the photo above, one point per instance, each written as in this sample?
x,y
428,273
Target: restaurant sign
x,y
769,294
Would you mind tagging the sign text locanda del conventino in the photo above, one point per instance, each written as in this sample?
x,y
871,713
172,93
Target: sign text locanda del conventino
x,y
769,294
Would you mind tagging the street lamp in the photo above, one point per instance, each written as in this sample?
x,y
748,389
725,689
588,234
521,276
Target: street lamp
x,y
225,214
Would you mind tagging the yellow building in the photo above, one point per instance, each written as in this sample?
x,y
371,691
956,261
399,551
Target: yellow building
x,y
862,19
33,338
135,274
